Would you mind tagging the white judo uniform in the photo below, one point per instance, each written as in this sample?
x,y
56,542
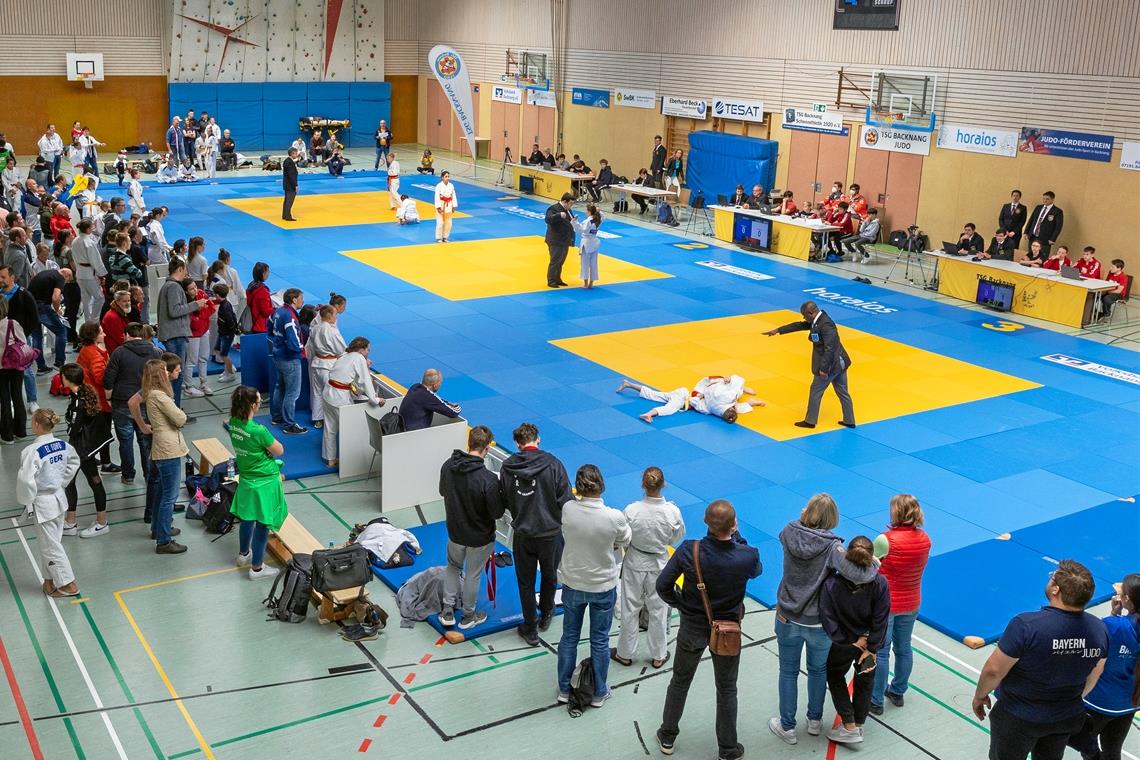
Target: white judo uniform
x,y
348,381
655,525
46,467
394,184
711,395
588,247
446,201
325,346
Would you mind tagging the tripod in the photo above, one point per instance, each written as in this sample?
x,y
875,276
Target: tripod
x,y
507,159
910,257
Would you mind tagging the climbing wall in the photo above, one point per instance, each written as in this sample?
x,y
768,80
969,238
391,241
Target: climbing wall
x,y
277,41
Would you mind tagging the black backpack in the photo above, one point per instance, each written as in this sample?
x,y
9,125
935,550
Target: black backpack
x,y
296,582
621,206
218,518
581,688
391,423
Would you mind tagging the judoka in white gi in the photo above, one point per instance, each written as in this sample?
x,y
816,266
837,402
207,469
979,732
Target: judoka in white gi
x,y
588,244
446,201
324,347
348,382
46,467
715,395
656,525
393,181
407,213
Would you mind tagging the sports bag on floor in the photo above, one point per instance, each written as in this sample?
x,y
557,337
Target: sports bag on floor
x,y
339,569
581,688
292,604
218,518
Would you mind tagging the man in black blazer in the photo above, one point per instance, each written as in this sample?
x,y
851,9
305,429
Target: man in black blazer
x,y
1012,218
829,363
422,402
289,182
559,238
1046,222
657,161
1001,247
970,242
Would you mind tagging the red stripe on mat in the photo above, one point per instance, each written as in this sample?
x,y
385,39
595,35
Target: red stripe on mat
x,y
364,745
21,708
380,720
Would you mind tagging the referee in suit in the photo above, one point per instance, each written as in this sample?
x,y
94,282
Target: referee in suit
x,y
1045,223
559,238
289,182
829,363
1012,217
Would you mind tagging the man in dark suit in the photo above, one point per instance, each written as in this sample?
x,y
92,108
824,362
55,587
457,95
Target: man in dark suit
x,y
1001,247
289,182
970,242
829,363
1012,218
1046,222
422,402
657,161
559,238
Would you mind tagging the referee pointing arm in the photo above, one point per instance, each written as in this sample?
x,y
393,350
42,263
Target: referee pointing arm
x,y
829,363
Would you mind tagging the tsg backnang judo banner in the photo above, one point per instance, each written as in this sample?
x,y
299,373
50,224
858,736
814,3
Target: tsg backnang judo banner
x,y
452,74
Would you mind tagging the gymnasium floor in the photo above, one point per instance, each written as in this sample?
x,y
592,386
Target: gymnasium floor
x,y
1018,461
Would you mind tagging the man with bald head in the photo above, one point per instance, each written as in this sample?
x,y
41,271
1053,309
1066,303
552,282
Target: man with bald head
x,y
829,363
422,403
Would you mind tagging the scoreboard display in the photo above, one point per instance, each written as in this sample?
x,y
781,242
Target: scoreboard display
x,y
867,14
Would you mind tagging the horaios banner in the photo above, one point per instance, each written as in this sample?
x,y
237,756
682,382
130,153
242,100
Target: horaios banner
x,y
450,71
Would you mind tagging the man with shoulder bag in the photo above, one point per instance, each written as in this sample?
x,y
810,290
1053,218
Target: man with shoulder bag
x,y
710,617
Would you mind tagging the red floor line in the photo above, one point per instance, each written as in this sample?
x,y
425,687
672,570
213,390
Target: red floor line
x,y
409,678
364,745
440,641
394,698
832,746
380,720
425,659
21,708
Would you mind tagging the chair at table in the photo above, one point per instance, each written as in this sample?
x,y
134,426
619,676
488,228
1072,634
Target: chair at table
x,y
1121,303
375,440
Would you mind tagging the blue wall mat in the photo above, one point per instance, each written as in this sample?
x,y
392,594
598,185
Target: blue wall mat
x,y
369,103
240,111
283,104
718,162
330,100
201,96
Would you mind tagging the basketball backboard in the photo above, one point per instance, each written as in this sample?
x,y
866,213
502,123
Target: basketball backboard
x,y
902,100
85,67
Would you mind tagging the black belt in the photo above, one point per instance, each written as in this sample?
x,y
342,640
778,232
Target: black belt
x,y
643,551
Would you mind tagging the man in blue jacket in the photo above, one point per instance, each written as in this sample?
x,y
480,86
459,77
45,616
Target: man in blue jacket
x,y
422,402
284,334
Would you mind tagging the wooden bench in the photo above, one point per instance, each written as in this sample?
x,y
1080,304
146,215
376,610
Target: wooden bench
x,y
211,452
294,538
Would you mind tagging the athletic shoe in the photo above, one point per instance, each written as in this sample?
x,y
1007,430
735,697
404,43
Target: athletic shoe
x,y
545,620
277,421
46,371
319,424
663,744
841,735
94,529
447,618
600,700
563,697
294,429
530,637
815,727
357,632
70,530
244,559
266,571
227,377
787,734
32,407
127,481
171,547
111,469
736,753
875,709
470,622
192,392
896,699
7,441
207,389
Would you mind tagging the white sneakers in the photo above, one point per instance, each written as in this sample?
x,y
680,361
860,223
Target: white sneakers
x,y
192,392
814,727
787,734
70,530
244,559
226,378
447,618
842,735
266,571
93,530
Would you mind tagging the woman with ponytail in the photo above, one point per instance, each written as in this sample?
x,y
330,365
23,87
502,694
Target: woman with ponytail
x,y
89,432
854,604
1113,702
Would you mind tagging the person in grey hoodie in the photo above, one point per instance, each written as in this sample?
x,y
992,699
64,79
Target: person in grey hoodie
x,y
854,604
811,551
535,486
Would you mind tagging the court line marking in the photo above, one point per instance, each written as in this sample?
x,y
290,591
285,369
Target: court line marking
x,y
71,646
21,707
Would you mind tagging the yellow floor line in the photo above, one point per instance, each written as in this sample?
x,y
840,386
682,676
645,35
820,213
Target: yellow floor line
x,y
169,581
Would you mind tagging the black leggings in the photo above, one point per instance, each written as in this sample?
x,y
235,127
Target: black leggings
x,y
1111,730
90,470
13,415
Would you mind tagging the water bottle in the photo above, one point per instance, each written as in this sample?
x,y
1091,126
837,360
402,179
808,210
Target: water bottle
x,y
230,471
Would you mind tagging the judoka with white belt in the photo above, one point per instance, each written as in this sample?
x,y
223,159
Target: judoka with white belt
x,y
656,525
716,395
349,381
324,347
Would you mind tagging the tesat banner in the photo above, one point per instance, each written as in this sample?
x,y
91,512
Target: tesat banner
x,y
993,142
895,140
689,108
451,73
744,110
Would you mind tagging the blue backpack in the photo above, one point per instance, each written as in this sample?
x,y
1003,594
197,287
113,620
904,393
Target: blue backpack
x,y
664,213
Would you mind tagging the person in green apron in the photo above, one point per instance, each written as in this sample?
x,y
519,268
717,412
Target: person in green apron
x,y
259,501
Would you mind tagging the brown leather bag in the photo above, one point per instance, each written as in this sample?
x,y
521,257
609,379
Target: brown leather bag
x,y
724,635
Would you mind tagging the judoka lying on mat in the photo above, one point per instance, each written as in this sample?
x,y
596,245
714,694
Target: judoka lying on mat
x,y
715,395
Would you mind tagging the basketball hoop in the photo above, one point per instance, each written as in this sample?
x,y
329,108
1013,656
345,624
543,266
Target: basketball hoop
x,y
87,79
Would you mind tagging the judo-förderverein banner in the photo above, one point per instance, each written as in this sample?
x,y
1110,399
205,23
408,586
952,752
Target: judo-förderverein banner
x,y
449,69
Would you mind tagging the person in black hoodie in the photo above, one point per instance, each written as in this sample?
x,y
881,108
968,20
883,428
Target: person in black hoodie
x,y
535,487
854,604
123,379
473,502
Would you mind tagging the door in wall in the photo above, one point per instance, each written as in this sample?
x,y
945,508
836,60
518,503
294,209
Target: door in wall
x,y
504,129
405,107
904,178
438,117
537,127
834,151
816,161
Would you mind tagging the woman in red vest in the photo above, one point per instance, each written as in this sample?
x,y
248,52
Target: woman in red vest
x,y
904,549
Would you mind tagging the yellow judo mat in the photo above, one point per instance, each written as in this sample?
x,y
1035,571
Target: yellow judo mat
x,y
887,379
465,269
331,210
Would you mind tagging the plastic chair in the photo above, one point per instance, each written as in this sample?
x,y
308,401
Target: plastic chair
x,y
375,440
1121,303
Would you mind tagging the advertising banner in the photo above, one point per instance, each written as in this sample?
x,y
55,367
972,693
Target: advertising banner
x,y
732,108
814,121
583,96
635,98
1130,156
451,73
895,140
690,108
506,94
993,142
541,98
1057,142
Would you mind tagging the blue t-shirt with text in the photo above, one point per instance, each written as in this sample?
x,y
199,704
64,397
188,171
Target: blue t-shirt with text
x,y
1055,651
1112,694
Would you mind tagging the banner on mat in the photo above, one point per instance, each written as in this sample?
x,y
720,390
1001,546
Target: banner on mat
x,y
1057,142
505,94
1130,156
451,73
993,142
895,140
584,96
814,121
635,98
744,110
689,108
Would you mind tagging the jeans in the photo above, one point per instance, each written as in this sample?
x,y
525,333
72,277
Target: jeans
x,y
1012,738
125,433
381,157
851,707
574,605
899,630
50,319
692,639
162,516
792,639
286,391
252,537
178,346
31,393
530,552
